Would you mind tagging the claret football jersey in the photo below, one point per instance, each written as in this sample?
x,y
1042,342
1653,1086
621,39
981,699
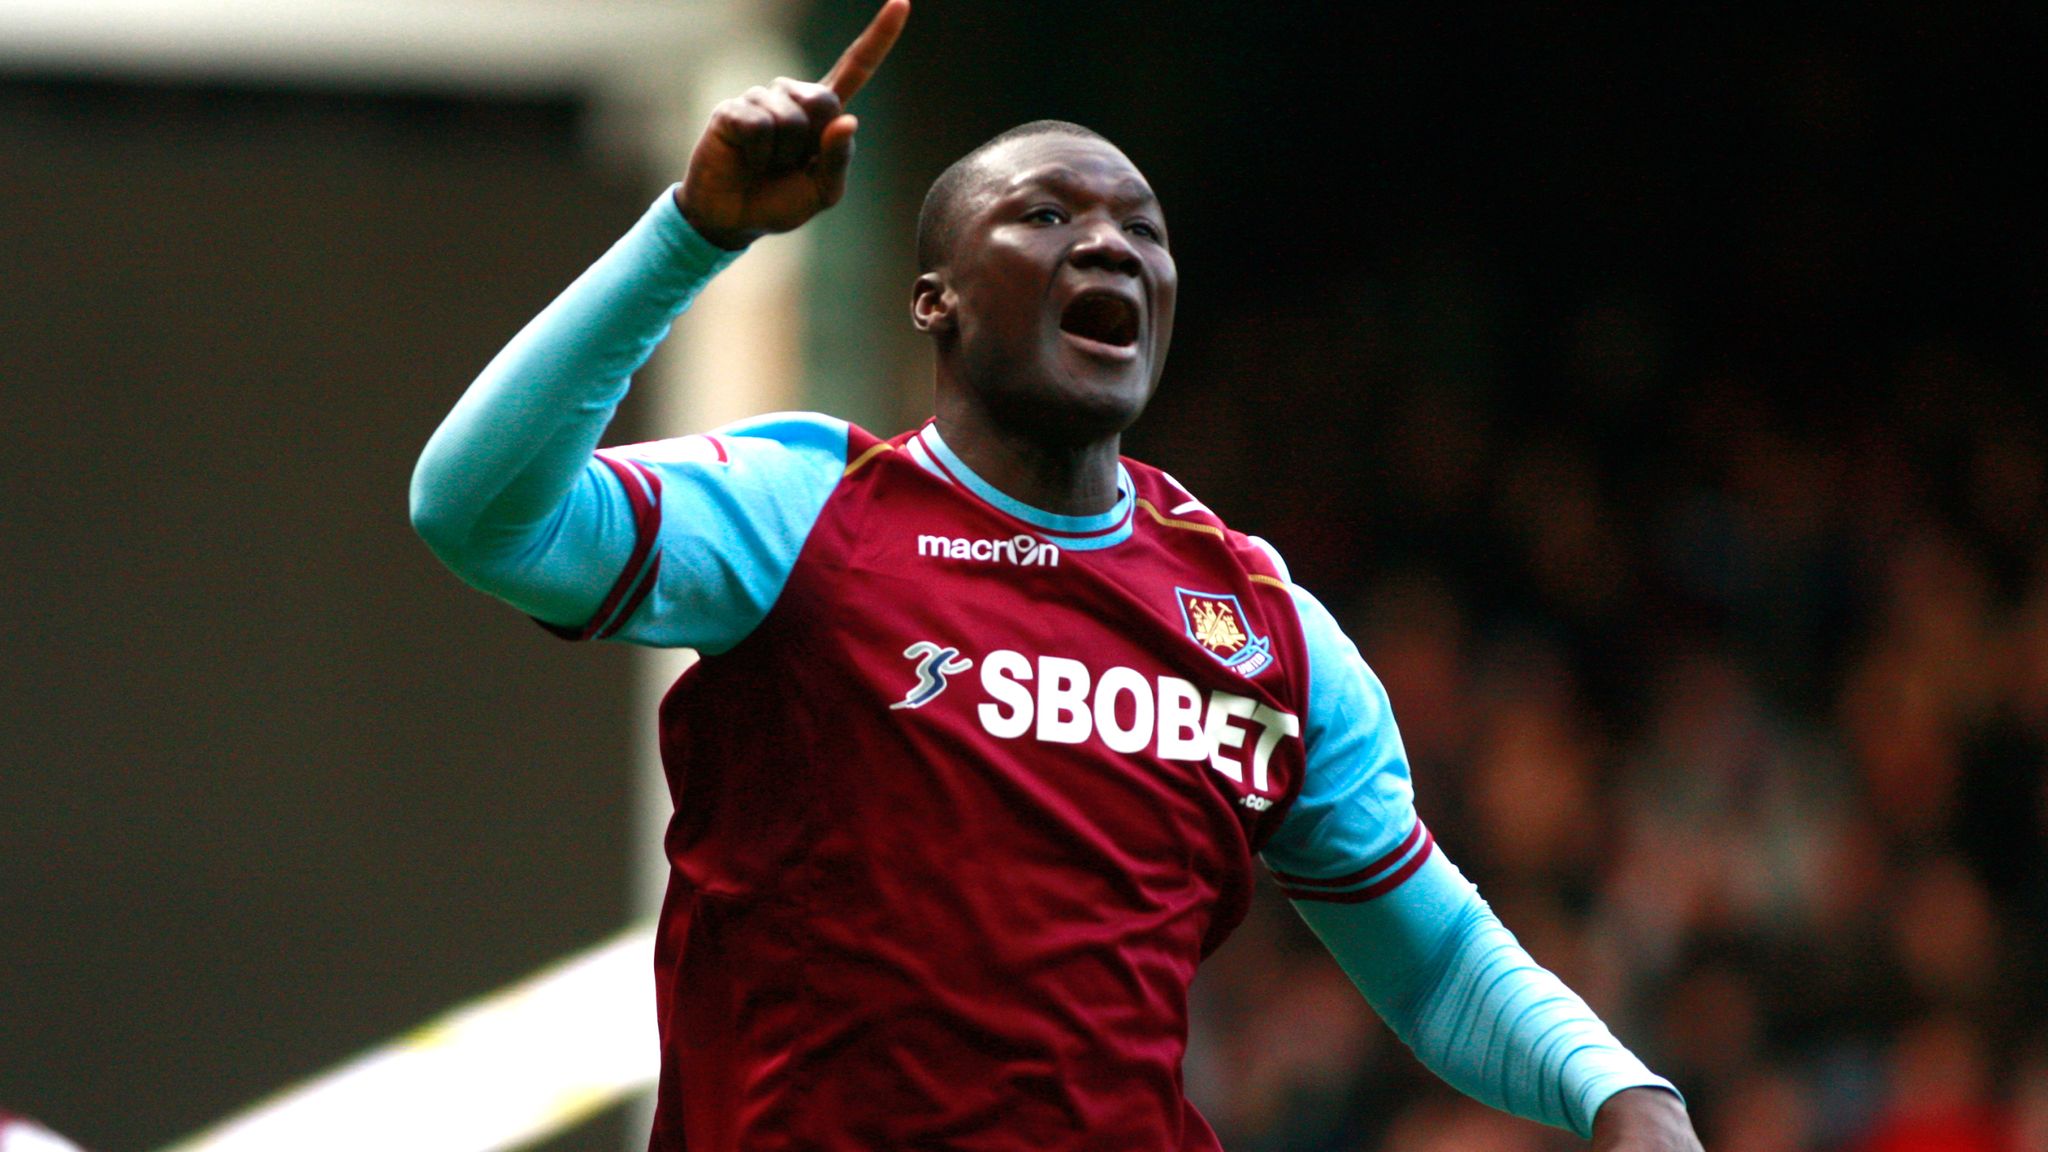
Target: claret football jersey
x,y
964,791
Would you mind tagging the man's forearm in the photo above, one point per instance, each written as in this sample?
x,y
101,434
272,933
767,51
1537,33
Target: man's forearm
x,y
1478,1011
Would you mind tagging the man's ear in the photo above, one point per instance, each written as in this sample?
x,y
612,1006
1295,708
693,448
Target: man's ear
x,y
932,304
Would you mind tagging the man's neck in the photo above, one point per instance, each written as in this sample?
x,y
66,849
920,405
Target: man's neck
x,y
1064,480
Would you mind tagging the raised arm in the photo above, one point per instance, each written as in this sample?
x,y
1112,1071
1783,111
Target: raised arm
x,y
507,492
1427,952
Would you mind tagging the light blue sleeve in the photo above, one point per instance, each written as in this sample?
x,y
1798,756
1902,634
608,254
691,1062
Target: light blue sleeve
x,y
1356,805
682,542
734,508
1411,931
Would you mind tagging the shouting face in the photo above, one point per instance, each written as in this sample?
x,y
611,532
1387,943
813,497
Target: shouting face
x,y
1053,305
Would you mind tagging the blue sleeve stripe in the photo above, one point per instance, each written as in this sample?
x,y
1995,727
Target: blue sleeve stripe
x,y
1319,890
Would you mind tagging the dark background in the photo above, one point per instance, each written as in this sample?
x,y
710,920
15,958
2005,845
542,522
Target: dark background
x,y
1656,395
276,786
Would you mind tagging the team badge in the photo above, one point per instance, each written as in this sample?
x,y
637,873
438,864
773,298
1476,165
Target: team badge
x,y
934,664
1216,621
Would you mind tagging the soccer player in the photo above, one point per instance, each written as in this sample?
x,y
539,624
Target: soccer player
x,y
990,722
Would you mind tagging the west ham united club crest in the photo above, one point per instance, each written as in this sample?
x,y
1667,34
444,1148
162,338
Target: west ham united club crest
x,y
1217,622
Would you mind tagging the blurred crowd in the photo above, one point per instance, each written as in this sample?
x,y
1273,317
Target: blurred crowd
x,y
1735,708
1672,437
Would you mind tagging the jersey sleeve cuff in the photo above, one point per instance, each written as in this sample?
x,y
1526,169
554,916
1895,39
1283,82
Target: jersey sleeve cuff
x,y
1619,1070
642,569
1374,880
694,256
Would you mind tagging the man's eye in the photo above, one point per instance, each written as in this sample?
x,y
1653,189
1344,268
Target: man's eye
x,y
1046,215
1145,228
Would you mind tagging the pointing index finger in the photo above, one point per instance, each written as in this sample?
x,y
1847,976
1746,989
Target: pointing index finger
x,y
868,50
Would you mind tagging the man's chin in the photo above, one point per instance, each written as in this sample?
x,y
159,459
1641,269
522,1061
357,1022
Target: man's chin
x,y
1081,408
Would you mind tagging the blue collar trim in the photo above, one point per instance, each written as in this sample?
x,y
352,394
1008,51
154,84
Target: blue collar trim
x,y
1073,533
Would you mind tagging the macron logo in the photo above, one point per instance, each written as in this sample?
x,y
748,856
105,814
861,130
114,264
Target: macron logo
x,y
1023,550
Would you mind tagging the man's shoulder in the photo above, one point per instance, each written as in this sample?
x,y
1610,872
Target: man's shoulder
x,y
776,433
1169,504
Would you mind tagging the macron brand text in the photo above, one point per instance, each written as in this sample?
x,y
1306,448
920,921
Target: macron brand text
x,y
1023,550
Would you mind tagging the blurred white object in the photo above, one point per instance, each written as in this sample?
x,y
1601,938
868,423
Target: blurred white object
x,y
19,1134
503,45
496,1073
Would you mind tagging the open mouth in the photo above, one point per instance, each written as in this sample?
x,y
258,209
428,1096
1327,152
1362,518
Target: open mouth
x,y
1102,317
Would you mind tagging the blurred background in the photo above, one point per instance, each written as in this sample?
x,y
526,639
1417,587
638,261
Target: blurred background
x,y
1657,395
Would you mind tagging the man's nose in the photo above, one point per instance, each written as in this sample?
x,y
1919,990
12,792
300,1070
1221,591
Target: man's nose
x,y
1105,245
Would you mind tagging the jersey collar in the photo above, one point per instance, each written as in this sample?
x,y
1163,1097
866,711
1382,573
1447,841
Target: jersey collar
x,y
1071,533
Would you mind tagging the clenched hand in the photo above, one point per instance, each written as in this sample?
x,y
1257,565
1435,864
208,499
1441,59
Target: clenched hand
x,y
777,155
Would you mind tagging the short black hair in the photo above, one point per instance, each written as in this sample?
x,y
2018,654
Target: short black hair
x,y
939,219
